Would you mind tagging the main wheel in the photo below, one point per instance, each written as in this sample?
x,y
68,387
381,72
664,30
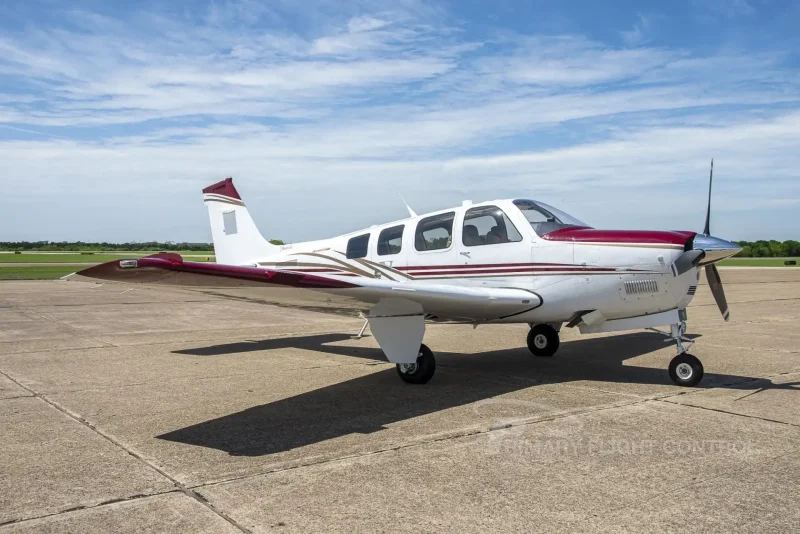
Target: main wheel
x,y
543,340
686,370
422,370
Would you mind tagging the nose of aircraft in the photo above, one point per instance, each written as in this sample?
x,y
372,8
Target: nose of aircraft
x,y
715,248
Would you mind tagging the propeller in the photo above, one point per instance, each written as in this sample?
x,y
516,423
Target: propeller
x,y
715,283
706,229
712,273
686,261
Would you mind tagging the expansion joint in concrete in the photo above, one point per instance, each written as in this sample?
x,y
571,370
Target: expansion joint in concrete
x,y
80,420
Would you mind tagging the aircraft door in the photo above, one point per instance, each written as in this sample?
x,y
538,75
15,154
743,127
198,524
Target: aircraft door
x,y
431,246
492,246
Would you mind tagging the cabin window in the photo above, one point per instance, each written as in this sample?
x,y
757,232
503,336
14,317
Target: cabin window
x,y
357,246
488,225
435,232
390,240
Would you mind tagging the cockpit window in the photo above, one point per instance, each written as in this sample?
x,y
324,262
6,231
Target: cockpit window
x,y
545,219
488,225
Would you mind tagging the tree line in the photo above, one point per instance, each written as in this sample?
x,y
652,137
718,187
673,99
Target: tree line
x,y
82,246
769,249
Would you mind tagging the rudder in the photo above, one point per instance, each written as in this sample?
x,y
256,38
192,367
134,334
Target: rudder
x,y
237,240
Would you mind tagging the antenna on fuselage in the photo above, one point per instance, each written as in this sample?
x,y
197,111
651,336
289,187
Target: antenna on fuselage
x,y
411,212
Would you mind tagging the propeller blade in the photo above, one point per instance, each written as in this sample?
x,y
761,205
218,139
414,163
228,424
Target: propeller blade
x,y
715,283
706,229
686,261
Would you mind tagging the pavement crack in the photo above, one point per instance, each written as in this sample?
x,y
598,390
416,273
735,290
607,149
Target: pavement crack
x,y
77,331
80,507
179,486
719,410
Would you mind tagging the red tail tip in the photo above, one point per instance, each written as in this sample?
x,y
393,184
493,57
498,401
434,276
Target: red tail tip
x,y
224,188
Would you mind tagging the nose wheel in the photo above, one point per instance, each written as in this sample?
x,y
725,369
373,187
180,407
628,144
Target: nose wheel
x,y
421,371
543,340
685,370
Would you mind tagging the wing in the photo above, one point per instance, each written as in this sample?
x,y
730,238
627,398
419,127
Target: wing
x,y
325,292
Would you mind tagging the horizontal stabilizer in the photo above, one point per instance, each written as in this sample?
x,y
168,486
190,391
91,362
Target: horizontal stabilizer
x,y
171,269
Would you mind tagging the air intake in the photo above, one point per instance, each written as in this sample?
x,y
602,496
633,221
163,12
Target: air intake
x,y
638,287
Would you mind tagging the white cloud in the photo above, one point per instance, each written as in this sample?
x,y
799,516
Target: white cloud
x,y
371,102
637,35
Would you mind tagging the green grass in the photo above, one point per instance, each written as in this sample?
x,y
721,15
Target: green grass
x,y
757,262
44,272
33,257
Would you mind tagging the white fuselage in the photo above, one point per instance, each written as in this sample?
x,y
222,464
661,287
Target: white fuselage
x,y
619,279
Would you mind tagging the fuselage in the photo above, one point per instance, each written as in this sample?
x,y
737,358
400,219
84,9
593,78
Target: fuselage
x,y
501,243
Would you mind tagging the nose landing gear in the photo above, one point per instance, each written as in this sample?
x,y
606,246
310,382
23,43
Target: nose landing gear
x,y
684,369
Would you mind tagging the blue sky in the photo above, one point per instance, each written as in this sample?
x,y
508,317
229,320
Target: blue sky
x,y
113,115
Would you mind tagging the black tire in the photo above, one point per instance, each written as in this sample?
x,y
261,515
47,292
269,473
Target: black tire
x,y
686,370
543,340
423,370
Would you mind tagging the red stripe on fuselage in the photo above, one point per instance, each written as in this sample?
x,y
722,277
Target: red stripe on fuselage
x,y
626,237
478,266
514,271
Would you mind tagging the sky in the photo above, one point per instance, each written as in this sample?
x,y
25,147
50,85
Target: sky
x,y
114,115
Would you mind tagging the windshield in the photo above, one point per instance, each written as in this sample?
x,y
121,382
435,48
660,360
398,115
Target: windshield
x,y
545,218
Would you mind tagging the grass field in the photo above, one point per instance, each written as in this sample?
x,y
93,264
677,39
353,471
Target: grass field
x,y
757,262
109,252
34,257
43,272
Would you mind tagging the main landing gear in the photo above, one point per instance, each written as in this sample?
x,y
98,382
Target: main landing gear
x,y
543,340
422,370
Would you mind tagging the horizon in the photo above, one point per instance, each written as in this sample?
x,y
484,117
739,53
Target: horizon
x,y
113,117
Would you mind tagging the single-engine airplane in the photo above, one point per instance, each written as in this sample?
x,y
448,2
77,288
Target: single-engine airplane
x,y
502,261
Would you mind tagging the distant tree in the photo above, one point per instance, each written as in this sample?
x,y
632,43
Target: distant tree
x,y
777,249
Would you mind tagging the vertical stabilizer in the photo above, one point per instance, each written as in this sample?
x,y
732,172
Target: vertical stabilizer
x,y
237,241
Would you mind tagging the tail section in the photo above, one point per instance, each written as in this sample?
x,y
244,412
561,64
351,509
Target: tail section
x,y
237,241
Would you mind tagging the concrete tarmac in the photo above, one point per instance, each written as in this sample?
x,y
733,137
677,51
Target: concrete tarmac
x,y
169,410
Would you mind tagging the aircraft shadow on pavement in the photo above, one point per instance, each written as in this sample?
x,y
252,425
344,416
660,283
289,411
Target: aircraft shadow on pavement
x,y
368,403
318,342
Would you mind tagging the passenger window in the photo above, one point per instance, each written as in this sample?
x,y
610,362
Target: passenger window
x,y
435,232
390,241
357,246
488,225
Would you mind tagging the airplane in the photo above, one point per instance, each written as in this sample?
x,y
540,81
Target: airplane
x,y
501,261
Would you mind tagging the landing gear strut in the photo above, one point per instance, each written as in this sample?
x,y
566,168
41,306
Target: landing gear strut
x,y
543,340
422,370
